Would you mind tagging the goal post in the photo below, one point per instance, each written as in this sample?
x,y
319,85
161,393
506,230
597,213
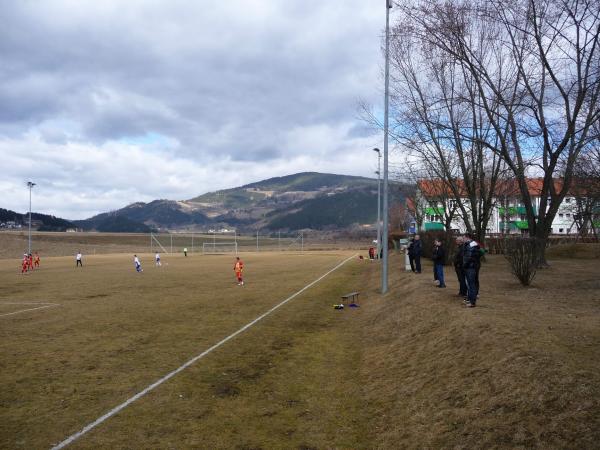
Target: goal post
x,y
209,248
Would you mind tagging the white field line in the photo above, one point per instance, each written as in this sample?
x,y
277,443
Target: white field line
x,y
184,366
46,305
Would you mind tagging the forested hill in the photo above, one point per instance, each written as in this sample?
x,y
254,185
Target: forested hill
x,y
43,222
303,200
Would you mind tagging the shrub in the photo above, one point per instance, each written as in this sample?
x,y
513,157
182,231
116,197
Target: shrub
x,y
522,254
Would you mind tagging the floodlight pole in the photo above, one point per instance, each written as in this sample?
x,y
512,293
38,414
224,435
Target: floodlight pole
x,y
30,185
378,201
384,238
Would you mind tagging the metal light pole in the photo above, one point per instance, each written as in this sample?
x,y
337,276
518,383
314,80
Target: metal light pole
x,y
378,201
30,185
384,238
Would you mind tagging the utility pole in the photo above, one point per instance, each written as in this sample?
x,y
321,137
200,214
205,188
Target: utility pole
x,y
30,185
378,201
384,238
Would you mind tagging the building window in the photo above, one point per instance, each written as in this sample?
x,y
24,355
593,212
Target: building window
x,y
561,215
568,214
560,230
568,200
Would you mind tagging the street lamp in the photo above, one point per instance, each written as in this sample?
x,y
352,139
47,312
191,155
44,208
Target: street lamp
x,y
384,238
378,201
30,185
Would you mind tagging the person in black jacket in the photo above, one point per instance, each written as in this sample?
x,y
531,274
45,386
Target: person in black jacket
x,y
439,255
458,267
411,254
471,264
417,252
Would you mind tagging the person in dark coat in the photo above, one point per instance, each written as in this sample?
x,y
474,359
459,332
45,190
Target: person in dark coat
x,y
471,264
458,267
417,252
439,255
411,254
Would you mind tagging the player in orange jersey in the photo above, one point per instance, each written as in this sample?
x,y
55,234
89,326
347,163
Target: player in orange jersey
x,y
25,263
239,269
30,261
36,260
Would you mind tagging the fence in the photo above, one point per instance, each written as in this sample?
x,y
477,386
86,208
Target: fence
x,y
257,241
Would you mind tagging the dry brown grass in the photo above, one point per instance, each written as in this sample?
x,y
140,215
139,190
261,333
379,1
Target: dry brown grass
x,y
522,370
14,243
290,380
412,369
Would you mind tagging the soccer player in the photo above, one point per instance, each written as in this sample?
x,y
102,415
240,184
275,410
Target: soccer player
x,y
138,265
25,263
30,261
157,259
36,260
78,257
185,252
239,269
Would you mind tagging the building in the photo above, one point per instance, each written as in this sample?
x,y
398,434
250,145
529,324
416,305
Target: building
x,y
434,205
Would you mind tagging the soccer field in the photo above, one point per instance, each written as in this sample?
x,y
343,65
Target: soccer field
x,y
78,342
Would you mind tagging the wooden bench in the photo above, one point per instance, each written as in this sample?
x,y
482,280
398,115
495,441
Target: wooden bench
x,y
352,296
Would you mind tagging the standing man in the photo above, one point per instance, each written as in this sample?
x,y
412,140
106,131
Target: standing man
x,y
458,267
417,252
36,260
138,265
411,254
439,255
238,268
78,257
157,259
471,264
185,252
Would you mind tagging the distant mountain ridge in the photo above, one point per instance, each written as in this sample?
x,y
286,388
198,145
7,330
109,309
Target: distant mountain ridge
x,y
292,202
43,222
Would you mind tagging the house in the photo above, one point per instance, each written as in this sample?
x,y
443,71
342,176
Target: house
x,y
435,205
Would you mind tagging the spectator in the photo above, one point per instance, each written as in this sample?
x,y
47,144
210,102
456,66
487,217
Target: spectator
x,y
458,267
439,255
411,254
417,252
471,264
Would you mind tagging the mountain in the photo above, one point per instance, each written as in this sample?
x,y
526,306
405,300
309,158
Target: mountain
x,y
41,222
304,200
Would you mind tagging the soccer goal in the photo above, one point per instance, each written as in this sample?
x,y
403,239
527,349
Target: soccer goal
x,y
219,247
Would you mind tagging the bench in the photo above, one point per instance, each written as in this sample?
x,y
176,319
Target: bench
x,y
352,296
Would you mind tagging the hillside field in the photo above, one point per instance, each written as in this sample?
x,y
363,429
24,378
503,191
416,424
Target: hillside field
x,y
410,369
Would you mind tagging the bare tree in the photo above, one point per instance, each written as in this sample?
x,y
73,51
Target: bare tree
x,y
535,66
586,191
440,122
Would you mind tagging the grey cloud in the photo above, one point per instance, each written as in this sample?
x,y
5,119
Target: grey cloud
x,y
220,80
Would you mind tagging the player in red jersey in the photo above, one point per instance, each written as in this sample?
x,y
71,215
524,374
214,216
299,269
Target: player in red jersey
x,y
36,260
25,263
30,261
239,269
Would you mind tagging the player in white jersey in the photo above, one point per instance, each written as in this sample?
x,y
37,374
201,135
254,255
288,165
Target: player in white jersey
x,y
157,259
138,265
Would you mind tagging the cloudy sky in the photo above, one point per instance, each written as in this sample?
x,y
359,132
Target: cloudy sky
x,y
103,103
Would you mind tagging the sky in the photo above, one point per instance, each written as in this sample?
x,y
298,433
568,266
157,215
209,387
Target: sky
x,y
105,103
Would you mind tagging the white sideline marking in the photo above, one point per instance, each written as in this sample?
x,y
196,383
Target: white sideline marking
x,y
140,394
46,305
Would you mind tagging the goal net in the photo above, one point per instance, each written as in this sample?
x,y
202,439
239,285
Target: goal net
x,y
219,247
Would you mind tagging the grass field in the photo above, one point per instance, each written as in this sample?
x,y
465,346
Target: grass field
x,y
117,331
410,369
14,243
